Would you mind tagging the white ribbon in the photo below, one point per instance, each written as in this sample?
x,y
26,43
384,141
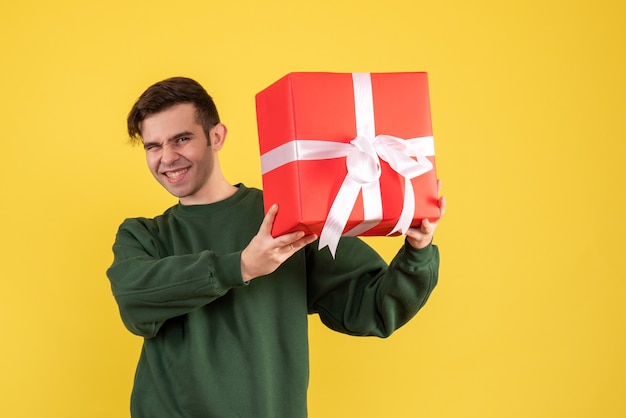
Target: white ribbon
x,y
363,156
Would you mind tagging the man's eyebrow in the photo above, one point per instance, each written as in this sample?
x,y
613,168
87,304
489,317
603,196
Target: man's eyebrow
x,y
150,144
180,135
170,139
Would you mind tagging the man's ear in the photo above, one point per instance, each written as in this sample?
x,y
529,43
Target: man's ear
x,y
218,136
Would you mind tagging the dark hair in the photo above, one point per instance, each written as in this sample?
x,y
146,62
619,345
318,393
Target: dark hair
x,y
167,93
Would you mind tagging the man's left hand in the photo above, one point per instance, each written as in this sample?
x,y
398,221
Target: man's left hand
x,y
422,236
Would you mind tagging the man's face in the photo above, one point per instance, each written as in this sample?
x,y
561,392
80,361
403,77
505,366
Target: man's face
x,y
178,152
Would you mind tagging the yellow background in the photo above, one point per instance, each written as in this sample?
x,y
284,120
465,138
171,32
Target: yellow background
x,y
528,104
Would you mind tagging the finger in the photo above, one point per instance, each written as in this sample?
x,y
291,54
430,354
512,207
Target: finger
x,y
268,220
290,238
415,233
426,227
304,241
442,205
301,241
285,242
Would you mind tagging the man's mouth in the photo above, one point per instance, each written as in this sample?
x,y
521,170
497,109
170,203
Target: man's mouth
x,y
173,175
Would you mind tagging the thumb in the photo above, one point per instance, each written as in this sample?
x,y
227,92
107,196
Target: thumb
x,y
268,220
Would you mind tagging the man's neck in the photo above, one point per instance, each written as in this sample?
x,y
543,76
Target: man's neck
x,y
217,192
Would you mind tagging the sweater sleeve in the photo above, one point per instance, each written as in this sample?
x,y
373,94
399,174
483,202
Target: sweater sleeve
x,y
359,294
151,288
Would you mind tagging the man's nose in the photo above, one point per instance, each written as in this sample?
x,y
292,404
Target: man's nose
x,y
168,155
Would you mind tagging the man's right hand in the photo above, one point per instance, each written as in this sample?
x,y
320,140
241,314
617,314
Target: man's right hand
x,y
265,253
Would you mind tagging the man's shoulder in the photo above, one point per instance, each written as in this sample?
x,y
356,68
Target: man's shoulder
x,y
249,189
147,222
248,195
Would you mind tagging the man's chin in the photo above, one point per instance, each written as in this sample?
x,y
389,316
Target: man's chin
x,y
174,191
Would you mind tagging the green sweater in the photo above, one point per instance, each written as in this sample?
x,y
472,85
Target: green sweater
x,y
217,347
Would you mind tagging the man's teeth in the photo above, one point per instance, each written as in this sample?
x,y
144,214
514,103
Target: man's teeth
x,y
175,174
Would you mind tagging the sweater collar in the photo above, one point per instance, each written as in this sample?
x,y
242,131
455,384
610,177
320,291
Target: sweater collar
x,y
212,208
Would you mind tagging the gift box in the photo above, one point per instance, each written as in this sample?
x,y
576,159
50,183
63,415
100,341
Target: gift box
x,y
347,153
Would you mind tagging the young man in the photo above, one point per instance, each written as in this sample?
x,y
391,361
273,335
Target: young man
x,y
221,304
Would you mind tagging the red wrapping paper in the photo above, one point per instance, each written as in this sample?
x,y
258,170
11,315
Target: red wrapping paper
x,y
321,106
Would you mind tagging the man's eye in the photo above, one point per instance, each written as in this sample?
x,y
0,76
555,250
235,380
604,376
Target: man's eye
x,y
183,139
